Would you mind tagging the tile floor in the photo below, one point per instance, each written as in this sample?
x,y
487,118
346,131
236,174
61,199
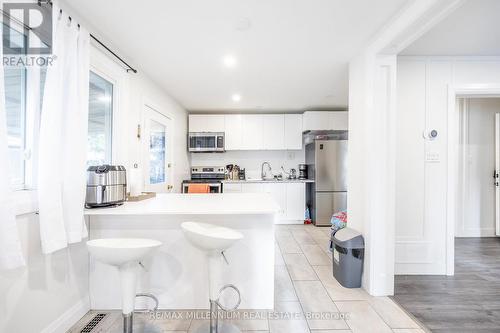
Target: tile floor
x,y
308,299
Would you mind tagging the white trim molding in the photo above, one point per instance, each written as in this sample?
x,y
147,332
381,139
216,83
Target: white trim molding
x,y
69,317
471,90
372,135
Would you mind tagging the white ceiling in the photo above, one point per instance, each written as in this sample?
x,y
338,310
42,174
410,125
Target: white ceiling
x,y
292,55
473,29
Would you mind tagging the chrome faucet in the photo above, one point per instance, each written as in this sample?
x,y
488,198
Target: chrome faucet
x,y
262,173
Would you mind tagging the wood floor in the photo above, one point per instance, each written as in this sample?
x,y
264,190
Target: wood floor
x,y
469,301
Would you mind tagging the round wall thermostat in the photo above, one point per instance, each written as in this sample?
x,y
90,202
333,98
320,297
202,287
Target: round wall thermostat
x,y
430,135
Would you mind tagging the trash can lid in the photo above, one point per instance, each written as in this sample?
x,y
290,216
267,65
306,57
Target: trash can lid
x,y
348,238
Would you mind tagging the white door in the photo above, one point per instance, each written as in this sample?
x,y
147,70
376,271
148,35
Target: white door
x,y
157,151
497,172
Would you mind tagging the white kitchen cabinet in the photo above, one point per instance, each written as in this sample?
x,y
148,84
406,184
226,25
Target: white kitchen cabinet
x,y
233,131
339,120
316,120
295,201
206,123
273,134
252,130
231,188
293,131
325,120
290,197
251,188
278,193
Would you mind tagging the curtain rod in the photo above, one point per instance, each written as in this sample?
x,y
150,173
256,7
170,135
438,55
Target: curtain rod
x,y
130,68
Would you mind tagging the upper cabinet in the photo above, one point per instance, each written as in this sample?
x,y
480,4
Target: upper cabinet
x,y
325,120
293,131
233,131
206,123
273,136
253,131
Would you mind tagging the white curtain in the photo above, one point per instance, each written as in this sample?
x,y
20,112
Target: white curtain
x,y
63,137
10,247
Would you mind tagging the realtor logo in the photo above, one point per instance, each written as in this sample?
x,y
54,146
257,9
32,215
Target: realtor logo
x,y
27,28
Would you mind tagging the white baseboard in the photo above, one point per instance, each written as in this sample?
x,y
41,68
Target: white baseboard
x,y
69,318
289,222
486,232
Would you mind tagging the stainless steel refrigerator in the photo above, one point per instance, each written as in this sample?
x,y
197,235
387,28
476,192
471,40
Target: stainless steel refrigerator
x,y
327,164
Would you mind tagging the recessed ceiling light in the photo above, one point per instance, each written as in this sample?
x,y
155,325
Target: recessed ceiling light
x,y
229,60
236,97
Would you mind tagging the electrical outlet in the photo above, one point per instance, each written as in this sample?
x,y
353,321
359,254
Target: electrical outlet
x,y
290,155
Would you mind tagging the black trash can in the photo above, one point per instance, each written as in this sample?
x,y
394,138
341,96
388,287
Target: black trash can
x,y
347,257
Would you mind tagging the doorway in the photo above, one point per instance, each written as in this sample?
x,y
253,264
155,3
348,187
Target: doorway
x,y
479,159
157,151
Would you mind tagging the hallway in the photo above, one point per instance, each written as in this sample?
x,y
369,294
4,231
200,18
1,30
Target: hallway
x,y
469,301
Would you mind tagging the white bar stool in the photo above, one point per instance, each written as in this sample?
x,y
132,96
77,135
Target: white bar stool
x,y
126,254
214,240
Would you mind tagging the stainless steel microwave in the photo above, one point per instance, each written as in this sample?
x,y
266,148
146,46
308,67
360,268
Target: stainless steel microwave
x,y
206,142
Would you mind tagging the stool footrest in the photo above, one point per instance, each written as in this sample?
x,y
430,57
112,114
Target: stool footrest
x,y
148,295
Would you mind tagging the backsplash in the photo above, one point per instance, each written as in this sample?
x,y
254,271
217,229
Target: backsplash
x,y
251,160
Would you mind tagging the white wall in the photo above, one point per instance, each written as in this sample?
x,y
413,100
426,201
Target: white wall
x,y
421,182
476,216
33,297
252,160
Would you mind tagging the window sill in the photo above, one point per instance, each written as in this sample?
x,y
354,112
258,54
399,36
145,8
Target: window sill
x,y
25,201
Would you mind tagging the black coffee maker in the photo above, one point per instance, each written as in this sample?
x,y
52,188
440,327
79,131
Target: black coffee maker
x,y
302,171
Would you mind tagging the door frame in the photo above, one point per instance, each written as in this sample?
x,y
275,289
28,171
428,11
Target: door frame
x,y
147,108
453,200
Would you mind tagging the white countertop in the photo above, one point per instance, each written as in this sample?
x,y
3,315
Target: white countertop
x,y
269,181
194,204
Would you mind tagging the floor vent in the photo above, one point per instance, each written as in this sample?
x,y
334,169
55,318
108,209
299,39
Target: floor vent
x,y
93,323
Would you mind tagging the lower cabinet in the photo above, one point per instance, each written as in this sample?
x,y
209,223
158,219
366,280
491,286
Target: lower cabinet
x,y
291,197
295,201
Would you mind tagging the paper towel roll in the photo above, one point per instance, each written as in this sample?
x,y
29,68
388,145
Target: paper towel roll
x,y
135,176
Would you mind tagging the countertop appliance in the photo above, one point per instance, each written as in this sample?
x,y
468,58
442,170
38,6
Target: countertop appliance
x,y
106,186
209,175
242,174
302,171
327,165
206,142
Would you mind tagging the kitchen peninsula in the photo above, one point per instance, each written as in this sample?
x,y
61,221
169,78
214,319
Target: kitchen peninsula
x,y
177,273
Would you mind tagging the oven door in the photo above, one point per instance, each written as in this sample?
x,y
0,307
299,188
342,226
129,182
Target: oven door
x,y
206,142
213,187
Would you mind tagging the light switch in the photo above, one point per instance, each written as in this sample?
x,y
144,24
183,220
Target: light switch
x,y
432,157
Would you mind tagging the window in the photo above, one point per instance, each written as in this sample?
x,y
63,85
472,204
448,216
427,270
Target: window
x,y
22,110
15,93
157,147
100,120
